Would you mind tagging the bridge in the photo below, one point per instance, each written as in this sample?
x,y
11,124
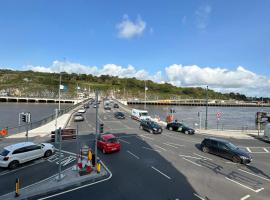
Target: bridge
x,y
35,100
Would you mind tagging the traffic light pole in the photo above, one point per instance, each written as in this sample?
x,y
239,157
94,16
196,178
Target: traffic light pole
x,y
97,105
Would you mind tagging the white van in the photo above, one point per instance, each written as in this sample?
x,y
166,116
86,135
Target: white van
x,y
139,114
266,135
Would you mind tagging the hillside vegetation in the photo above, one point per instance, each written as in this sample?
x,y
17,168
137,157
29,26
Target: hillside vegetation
x,y
29,83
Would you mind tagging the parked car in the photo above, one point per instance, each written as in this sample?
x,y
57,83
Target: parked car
x,y
119,115
106,107
150,126
14,155
78,117
108,143
176,126
225,149
115,105
81,110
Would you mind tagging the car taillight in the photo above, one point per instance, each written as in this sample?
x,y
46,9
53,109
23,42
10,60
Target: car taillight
x,y
5,158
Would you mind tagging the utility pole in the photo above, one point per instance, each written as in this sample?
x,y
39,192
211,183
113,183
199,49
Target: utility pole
x,y
206,108
145,94
59,92
60,175
97,125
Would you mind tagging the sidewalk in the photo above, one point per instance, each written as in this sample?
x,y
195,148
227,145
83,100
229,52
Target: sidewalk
x,y
71,181
237,134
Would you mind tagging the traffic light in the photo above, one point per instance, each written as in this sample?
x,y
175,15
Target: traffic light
x,y
101,128
24,118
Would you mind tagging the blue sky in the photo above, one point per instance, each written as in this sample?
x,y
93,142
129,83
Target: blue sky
x,y
150,35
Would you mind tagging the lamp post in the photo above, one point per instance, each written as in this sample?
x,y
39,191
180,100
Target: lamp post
x,y
59,91
145,88
206,108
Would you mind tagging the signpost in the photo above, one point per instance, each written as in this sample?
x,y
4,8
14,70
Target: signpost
x,y
26,119
218,115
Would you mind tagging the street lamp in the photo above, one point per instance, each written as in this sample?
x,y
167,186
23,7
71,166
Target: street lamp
x,y
206,108
145,88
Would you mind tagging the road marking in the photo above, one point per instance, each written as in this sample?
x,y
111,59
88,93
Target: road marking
x,y
258,190
147,137
83,186
192,162
55,157
202,156
179,145
160,147
151,149
189,157
192,141
245,197
248,149
133,155
161,172
254,175
171,145
67,160
124,141
198,196
266,150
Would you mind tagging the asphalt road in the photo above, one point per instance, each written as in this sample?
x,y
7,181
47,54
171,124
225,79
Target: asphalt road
x,y
168,166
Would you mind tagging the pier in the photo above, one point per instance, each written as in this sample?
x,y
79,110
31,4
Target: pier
x,y
35,100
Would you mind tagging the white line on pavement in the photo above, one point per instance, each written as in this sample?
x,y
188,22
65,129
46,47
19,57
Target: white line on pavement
x,y
202,156
266,150
133,155
160,147
198,196
170,145
178,138
248,149
258,190
151,149
124,141
191,162
189,157
161,172
179,145
245,197
147,137
254,175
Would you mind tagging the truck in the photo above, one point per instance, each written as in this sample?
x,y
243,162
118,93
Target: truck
x,y
140,114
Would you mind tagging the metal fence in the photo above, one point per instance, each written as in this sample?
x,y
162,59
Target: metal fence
x,y
36,124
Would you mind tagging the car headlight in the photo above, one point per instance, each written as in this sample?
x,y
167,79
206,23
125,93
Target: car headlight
x,y
244,157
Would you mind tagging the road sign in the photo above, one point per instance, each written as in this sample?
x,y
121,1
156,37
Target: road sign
x,y
218,115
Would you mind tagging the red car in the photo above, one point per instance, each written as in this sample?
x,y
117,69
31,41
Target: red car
x,y
108,143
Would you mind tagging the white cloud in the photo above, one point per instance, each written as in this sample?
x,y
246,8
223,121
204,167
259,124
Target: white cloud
x,y
128,29
202,15
220,79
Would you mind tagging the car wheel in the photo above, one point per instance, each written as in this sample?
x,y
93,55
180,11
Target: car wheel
x,y
103,151
141,127
48,153
236,159
205,149
151,131
170,128
14,164
186,132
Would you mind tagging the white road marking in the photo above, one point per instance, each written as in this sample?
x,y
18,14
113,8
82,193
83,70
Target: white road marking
x,y
147,137
133,155
170,145
161,172
185,156
191,162
245,197
177,138
198,196
258,190
248,149
67,160
254,175
175,144
266,150
124,141
151,149
160,147
202,156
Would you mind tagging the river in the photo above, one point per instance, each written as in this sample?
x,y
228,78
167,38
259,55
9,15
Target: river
x,y
231,117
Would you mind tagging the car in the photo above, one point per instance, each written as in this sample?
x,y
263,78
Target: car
x,y
225,149
115,105
94,106
86,105
119,115
78,117
108,143
81,110
14,155
150,126
176,126
106,107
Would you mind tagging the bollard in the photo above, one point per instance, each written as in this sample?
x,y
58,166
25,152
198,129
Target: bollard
x,y
17,188
89,156
98,166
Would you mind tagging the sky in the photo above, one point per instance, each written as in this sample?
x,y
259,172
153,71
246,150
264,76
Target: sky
x,y
223,44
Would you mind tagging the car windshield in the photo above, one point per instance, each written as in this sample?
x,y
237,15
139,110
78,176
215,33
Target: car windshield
x,y
4,152
144,114
112,140
154,125
231,146
120,114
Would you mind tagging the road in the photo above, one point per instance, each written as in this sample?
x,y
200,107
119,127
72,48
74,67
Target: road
x,y
169,166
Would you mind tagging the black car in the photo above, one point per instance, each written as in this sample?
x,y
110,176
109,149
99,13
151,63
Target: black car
x,y
150,126
119,115
86,105
115,105
176,126
225,149
106,107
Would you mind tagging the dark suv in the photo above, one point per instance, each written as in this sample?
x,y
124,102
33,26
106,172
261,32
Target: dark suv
x,y
150,126
176,126
225,149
